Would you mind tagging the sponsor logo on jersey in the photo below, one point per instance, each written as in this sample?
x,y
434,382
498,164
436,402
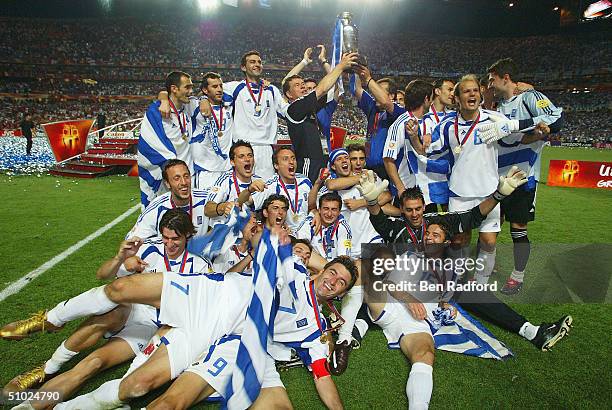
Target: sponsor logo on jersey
x,y
542,103
301,323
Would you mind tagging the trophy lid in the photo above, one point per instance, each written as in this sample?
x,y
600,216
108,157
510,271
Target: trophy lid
x,y
346,15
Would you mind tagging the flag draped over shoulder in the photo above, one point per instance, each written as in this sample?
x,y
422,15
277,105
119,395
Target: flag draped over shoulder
x,y
154,149
271,260
468,336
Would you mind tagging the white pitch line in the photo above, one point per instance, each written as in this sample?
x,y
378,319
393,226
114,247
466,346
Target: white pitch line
x,y
20,283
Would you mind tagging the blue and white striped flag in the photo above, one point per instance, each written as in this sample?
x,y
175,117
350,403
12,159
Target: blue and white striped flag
x,y
154,149
468,336
271,260
337,51
222,236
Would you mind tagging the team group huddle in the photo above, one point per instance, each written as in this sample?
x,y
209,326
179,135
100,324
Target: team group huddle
x,y
248,257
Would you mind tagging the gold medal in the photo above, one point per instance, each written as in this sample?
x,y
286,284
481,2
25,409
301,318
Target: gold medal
x,y
185,136
220,133
295,217
457,149
258,108
324,338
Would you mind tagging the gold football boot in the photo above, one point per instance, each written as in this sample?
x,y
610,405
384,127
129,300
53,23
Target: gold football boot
x,y
23,328
28,380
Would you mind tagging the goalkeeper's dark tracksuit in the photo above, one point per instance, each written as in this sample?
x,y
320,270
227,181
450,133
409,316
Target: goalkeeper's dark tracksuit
x,y
483,304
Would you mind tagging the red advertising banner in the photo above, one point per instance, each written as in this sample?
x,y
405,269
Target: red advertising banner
x,y
336,137
67,138
580,174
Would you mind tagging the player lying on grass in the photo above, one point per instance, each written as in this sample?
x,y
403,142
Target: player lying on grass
x,y
410,229
190,304
128,327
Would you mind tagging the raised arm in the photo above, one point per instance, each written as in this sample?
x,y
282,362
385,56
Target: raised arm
x,y
301,65
379,93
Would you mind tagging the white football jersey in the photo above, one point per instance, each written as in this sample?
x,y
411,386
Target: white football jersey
x,y
227,188
474,168
334,240
297,194
359,220
209,150
256,127
148,222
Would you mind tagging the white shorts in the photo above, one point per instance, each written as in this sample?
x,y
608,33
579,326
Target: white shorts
x,y
263,161
396,321
206,179
492,221
139,327
217,365
200,308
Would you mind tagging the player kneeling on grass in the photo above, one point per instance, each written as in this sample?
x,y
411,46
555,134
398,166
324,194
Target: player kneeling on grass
x,y
128,327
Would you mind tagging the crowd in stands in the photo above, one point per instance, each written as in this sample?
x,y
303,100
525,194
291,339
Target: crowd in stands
x,y
129,59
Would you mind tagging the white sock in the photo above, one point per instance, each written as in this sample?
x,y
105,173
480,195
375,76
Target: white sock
x,y
517,276
59,357
351,303
419,386
92,302
362,327
488,261
107,395
529,331
26,405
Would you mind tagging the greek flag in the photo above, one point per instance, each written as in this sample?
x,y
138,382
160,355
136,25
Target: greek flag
x,y
336,57
221,237
154,149
468,336
271,260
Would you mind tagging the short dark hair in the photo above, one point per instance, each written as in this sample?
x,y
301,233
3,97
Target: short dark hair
x,y
174,78
235,145
286,82
355,147
440,82
295,241
169,164
331,196
415,93
442,224
310,80
275,197
179,221
243,59
412,193
279,149
391,84
504,66
350,266
209,75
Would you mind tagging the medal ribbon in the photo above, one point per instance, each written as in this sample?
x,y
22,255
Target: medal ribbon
x,y
413,237
190,205
433,109
375,125
215,135
236,186
261,90
183,124
167,262
240,256
315,306
469,131
294,205
324,236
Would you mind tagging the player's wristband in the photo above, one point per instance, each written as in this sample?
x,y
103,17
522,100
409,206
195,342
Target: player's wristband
x,y
217,210
323,62
372,202
498,196
368,83
306,62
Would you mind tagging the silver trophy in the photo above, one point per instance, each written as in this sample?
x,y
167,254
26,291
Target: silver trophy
x,y
349,36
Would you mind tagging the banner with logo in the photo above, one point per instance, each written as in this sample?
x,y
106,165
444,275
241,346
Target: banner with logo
x,y
336,137
67,138
580,174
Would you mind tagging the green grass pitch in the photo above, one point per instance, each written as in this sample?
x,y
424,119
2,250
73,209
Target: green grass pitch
x,y
42,216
